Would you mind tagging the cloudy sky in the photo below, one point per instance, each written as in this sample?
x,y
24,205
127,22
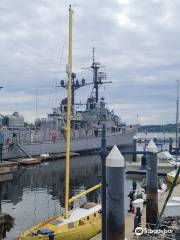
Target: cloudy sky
x,y
137,40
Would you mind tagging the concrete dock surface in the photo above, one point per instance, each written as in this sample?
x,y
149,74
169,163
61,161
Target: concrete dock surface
x,y
129,221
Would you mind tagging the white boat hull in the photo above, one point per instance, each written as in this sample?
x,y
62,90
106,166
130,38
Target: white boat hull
x,y
172,209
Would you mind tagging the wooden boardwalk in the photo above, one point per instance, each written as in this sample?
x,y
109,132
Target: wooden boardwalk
x,y
129,221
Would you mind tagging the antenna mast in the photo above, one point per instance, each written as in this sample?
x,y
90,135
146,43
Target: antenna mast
x,y
98,77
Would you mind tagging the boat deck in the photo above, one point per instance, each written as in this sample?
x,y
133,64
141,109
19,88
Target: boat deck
x,y
78,213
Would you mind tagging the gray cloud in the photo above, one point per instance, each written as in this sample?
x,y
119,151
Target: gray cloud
x,y
138,41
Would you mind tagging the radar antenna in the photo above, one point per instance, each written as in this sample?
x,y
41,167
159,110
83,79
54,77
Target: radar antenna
x,y
76,84
98,77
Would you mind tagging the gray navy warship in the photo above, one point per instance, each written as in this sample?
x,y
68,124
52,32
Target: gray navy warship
x,y
48,135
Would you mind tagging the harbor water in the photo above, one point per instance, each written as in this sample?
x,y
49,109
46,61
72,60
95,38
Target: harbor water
x,y
37,193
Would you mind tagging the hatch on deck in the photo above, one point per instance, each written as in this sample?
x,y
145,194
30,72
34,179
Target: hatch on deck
x,y
88,205
56,222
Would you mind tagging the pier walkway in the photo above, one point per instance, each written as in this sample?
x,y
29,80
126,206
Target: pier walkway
x,y
129,221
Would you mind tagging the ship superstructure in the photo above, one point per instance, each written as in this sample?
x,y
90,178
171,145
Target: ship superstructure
x,y
86,123
48,134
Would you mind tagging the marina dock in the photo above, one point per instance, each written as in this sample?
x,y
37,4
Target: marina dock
x,y
135,168
8,167
90,138
129,220
11,165
6,170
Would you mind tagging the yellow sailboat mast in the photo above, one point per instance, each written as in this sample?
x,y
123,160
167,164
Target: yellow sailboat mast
x,y
68,120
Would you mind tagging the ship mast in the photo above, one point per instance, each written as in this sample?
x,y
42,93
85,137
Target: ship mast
x,y
98,80
95,67
98,77
68,120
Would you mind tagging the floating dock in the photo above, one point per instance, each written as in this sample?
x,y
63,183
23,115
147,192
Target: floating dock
x,y
6,170
37,159
135,168
8,167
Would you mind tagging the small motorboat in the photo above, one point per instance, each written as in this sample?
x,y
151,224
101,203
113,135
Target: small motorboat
x,y
44,156
165,156
172,209
30,161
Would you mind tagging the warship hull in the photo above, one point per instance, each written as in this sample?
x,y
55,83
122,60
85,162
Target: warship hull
x,y
80,145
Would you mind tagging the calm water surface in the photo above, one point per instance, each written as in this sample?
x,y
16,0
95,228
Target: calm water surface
x,y
38,192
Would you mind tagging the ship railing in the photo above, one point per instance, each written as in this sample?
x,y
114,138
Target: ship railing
x,y
79,138
123,132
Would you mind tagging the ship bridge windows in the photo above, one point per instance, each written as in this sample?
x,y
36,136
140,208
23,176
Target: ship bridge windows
x,y
92,106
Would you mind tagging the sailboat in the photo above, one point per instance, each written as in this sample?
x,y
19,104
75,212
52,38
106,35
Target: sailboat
x,y
84,222
171,175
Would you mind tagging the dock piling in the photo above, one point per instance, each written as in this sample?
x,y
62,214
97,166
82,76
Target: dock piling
x,y
115,195
170,144
152,185
143,162
1,146
103,154
134,185
134,148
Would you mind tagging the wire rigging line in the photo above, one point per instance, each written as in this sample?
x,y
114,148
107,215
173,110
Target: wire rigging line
x,y
63,47
60,62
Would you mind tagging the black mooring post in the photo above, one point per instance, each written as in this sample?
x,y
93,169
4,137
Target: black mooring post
x,y
143,162
0,197
170,144
115,195
2,235
152,186
134,148
1,150
134,185
1,146
103,154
